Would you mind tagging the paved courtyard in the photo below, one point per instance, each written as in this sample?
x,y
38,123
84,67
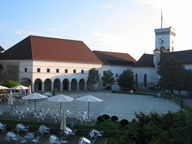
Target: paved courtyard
x,y
122,105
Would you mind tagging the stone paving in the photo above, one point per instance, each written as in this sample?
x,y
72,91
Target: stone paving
x,y
122,105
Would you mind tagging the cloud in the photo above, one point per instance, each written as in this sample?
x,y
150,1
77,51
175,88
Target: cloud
x,y
107,6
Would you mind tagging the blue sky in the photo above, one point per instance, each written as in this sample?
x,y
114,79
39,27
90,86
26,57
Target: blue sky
x,y
109,25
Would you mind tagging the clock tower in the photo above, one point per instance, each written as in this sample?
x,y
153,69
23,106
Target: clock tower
x,y
164,39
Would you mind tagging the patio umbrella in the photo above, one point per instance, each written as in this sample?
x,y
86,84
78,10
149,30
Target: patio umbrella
x,y
89,99
60,98
3,87
34,96
10,99
19,87
63,123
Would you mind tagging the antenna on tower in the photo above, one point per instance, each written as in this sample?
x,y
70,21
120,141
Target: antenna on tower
x,y
161,19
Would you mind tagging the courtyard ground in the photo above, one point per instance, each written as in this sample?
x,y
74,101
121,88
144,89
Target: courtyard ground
x,y
122,105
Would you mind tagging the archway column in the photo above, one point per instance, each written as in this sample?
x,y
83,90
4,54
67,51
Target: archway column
x,y
69,85
77,85
43,86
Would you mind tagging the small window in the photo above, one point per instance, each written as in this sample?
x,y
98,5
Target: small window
x,y
57,70
74,71
38,70
103,72
66,70
116,75
82,71
25,69
48,70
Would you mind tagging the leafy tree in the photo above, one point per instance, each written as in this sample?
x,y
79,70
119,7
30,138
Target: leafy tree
x,y
108,78
172,73
10,83
188,80
93,77
126,79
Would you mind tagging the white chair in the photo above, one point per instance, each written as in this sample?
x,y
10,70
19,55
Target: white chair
x,y
29,135
43,130
84,140
68,131
11,136
54,139
2,127
35,140
95,133
21,128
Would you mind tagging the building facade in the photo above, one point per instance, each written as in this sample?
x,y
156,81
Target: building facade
x,y
58,64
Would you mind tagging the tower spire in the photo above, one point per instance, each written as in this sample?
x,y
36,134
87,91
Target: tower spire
x,y
161,19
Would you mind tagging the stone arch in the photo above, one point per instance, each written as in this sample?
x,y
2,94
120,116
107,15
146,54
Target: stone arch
x,y
47,85
65,84
82,84
56,84
145,80
73,84
38,85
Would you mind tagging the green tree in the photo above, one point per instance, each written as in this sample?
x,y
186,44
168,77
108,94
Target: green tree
x,y
171,74
188,81
126,79
10,83
108,78
93,77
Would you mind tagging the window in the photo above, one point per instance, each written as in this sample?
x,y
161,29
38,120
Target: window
x,y
25,69
103,72
116,75
82,71
66,70
38,70
74,71
57,70
48,70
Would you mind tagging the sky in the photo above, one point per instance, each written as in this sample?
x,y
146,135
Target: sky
x,y
108,25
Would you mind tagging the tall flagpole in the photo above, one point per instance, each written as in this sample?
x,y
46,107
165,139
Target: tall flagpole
x,y
161,19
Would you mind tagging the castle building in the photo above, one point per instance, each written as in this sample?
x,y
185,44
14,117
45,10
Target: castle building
x,y
59,64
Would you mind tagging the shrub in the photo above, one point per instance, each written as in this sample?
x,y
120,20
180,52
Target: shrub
x,y
114,118
105,117
124,122
100,119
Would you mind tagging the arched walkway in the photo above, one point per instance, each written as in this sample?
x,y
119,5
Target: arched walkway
x,y
145,80
82,84
65,84
57,84
47,85
38,85
74,84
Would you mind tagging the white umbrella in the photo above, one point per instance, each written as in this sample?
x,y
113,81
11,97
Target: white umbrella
x,y
10,99
19,87
63,123
89,99
3,87
60,98
34,96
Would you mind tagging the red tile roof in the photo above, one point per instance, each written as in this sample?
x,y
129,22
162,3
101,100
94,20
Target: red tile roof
x,y
114,58
51,49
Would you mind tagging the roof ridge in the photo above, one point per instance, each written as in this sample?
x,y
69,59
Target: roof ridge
x,y
54,38
110,52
